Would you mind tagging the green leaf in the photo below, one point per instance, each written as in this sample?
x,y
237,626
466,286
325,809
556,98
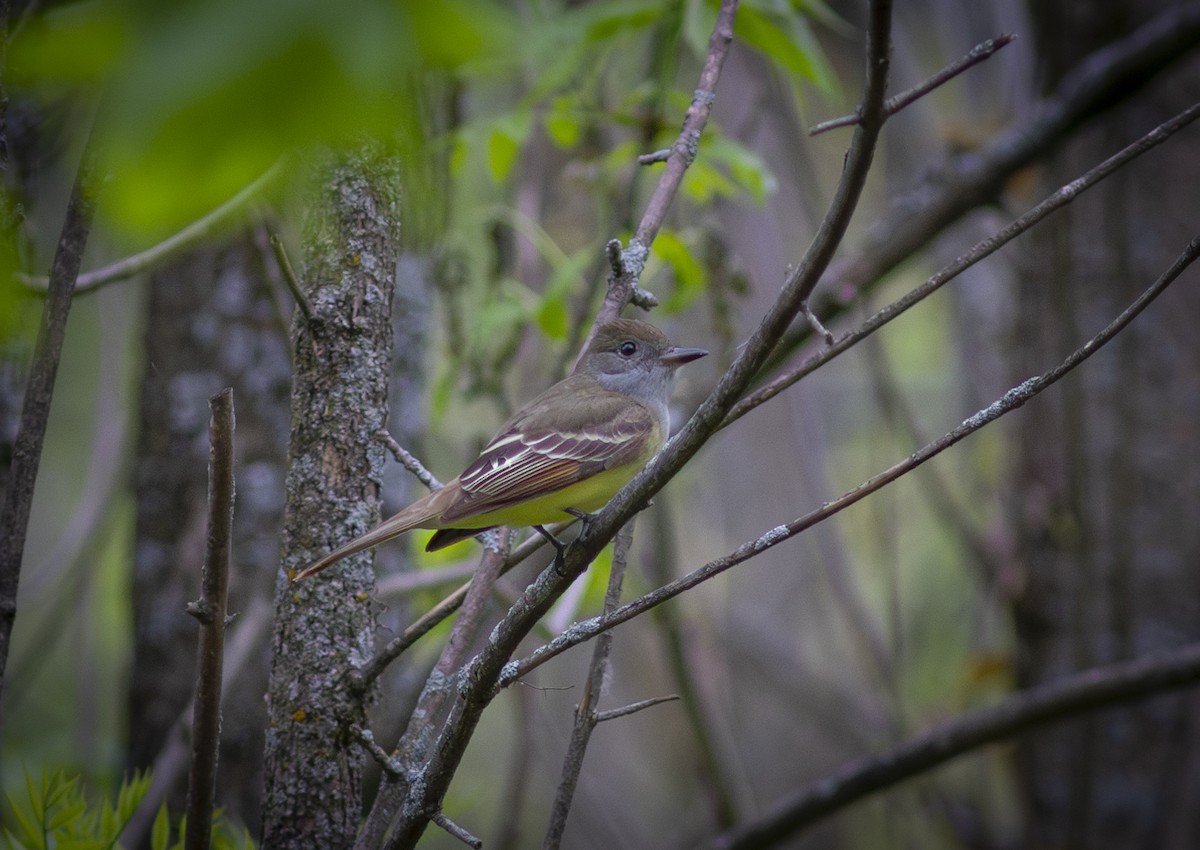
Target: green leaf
x,y
202,97
29,831
564,122
552,315
704,181
690,275
786,41
70,45
504,145
160,832
614,16
745,166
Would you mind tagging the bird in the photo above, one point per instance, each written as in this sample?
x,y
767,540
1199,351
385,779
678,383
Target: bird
x,y
564,454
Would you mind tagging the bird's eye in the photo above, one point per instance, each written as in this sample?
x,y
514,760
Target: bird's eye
x,y
628,348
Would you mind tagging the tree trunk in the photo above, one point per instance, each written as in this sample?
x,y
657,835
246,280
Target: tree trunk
x,y
323,627
1104,493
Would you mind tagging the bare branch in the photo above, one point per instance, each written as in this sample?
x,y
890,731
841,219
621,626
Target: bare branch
x,y
214,591
172,760
404,584
634,708
441,684
622,286
985,248
1090,690
409,461
456,830
586,715
35,410
979,53
361,678
172,246
1011,400
1100,82
289,277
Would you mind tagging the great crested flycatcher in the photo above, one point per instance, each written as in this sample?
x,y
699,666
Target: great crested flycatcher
x,y
564,454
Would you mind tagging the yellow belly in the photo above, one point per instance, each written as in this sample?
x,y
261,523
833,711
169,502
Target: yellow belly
x,y
588,495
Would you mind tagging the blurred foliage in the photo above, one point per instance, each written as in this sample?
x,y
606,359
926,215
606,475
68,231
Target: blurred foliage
x,y
56,813
197,99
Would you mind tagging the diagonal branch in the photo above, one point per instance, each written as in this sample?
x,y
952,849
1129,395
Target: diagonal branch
x,y
1014,398
174,245
35,412
1100,82
1087,691
628,263
983,249
979,53
587,714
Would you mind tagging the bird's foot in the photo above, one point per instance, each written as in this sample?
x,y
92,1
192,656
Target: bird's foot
x,y
560,548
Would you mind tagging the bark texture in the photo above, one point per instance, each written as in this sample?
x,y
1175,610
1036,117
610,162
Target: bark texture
x,y
1105,494
323,627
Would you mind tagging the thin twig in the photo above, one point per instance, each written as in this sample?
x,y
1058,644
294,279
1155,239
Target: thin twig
x,y
586,714
456,830
1099,83
173,245
39,391
367,738
409,461
654,157
979,53
1090,690
815,323
633,708
621,287
984,248
404,584
210,611
1011,400
289,277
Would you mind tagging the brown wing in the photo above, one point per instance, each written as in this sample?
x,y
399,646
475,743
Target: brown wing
x,y
529,459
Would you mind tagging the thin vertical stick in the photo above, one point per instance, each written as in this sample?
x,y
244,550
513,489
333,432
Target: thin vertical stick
x,y
586,711
210,611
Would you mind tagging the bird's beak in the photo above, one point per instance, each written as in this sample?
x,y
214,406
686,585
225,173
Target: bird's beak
x,y
676,356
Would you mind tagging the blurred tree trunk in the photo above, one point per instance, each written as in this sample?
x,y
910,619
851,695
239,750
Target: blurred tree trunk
x,y
212,321
324,626
1104,490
